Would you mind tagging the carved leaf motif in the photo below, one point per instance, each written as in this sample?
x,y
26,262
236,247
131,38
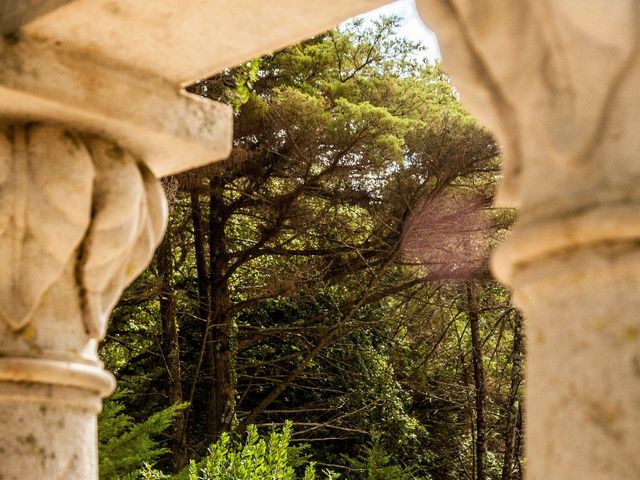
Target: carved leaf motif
x,y
541,74
129,219
46,178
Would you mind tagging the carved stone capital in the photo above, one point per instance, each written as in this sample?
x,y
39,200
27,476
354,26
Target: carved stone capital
x,y
80,218
557,82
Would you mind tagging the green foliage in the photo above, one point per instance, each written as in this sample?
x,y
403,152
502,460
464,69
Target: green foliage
x,y
311,279
376,464
244,79
255,459
127,448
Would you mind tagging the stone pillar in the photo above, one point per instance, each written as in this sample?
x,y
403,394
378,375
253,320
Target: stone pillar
x,y
557,82
83,141
80,217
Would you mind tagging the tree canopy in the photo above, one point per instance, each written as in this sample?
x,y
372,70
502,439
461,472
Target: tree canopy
x,y
331,276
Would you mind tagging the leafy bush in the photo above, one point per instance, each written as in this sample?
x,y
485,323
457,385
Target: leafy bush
x,y
127,448
376,464
256,459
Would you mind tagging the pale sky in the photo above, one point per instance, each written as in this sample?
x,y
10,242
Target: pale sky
x,y
412,27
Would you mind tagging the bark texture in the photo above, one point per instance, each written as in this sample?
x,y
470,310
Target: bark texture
x,y
478,381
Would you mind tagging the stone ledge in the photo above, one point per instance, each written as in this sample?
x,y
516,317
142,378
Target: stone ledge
x,y
170,130
184,41
55,372
610,223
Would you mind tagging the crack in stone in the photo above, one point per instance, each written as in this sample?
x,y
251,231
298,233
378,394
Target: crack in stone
x,y
82,256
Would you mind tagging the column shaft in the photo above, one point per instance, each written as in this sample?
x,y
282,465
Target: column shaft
x,y
583,363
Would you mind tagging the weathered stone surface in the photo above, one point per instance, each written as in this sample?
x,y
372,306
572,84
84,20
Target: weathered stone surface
x,y
45,210
184,41
48,432
15,13
558,84
80,218
583,370
74,209
148,115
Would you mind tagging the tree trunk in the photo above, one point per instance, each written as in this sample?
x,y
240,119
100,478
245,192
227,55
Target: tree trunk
x,y
478,377
519,444
221,401
170,346
201,262
511,429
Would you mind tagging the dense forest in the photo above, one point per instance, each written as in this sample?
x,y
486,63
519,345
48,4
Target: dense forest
x,y
321,306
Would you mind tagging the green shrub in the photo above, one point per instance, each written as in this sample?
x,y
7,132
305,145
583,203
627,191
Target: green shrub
x,y
376,464
127,449
256,459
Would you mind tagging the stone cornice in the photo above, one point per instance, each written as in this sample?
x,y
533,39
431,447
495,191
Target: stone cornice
x,y
150,116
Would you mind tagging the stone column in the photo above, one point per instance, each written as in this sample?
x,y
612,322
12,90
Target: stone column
x,y
557,82
83,141
80,217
